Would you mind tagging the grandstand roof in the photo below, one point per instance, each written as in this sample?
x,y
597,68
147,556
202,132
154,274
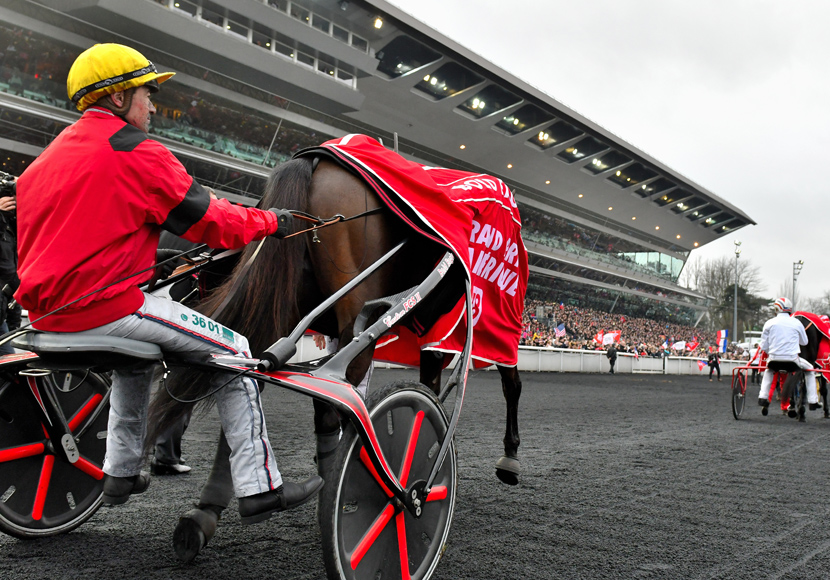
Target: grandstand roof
x,y
446,104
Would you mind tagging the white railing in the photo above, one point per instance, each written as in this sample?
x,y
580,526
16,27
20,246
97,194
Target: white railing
x,y
566,360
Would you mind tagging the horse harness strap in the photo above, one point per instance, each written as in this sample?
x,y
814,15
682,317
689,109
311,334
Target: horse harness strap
x,y
319,223
326,222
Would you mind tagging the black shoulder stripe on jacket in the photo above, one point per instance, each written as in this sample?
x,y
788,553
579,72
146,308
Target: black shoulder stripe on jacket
x,y
190,210
127,138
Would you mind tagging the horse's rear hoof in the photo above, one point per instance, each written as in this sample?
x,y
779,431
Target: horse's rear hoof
x,y
195,529
508,470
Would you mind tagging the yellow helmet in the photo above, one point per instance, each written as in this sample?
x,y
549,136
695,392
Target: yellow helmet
x,y
108,68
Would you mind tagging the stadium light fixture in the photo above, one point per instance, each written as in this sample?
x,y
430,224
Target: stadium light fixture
x,y
378,22
344,5
797,266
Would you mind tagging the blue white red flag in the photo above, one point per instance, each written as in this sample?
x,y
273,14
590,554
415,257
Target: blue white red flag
x,y
560,330
701,364
723,339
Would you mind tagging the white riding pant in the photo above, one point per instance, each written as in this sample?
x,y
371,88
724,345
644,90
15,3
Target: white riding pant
x,y
178,329
809,378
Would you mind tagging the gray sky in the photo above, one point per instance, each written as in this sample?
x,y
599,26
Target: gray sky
x,y
733,94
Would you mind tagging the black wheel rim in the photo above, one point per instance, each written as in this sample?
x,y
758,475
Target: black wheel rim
x,y
373,535
42,493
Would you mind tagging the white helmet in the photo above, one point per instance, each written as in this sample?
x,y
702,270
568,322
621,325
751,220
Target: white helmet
x,y
784,305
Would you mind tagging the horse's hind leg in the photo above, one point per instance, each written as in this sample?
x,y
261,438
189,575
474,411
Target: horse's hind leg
x,y
197,527
508,467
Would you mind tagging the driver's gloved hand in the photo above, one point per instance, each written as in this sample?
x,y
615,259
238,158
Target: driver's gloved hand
x,y
163,271
285,221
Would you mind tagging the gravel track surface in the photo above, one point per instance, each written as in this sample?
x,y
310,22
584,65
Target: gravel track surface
x,y
626,476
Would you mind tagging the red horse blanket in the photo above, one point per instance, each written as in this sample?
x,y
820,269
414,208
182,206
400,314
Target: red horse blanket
x,y
823,357
474,216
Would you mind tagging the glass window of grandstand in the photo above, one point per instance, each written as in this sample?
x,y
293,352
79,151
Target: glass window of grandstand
x,y
605,162
284,50
359,43
403,55
717,219
340,33
224,178
30,129
325,65
209,122
733,225
655,187
670,197
188,8
236,26
305,59
557,133
526,117
35,67
490,100
261,37
281,5
347,76
300,13
581,149
450,79
14,163
213,14
687,204
702,213
631,175
320,23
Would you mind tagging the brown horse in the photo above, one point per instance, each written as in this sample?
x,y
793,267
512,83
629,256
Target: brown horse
x,y
292,276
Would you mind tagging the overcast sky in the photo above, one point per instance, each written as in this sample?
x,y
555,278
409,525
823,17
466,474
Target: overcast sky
x,y
733,94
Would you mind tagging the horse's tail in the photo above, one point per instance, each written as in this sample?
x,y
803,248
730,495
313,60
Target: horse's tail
x,y
265,305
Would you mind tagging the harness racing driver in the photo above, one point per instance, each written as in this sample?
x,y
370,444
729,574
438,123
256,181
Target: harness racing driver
x,y
781,339
91,208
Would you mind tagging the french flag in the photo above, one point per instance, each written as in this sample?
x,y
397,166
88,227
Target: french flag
x,y
723,336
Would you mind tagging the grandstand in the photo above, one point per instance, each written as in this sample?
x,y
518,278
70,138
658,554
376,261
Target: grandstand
x,y
606,225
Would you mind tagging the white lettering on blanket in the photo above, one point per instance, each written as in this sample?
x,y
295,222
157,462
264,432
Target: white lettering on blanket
x,y
490,264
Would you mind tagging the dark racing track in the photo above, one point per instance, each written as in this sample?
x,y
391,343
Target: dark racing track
x,y
624,477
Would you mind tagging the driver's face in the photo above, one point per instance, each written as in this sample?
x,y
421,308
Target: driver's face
x,y
141,109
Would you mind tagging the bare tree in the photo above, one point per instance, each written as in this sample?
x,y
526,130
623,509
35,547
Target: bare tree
x,y
820,305
716,278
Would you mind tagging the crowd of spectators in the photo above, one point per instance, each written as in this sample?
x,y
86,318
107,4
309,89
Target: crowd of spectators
x,y
645,336
557,232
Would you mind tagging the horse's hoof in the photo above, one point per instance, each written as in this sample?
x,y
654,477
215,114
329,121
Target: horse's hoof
x,y
508,470
195,529
792,413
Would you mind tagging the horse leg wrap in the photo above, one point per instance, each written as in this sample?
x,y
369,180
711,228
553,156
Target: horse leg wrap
x,y
508,470
195,529
326,449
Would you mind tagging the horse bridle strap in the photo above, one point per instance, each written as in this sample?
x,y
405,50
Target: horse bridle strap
x,y
319,223
326,222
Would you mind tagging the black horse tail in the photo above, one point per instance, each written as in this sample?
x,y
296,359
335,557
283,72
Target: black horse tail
x,y
264,307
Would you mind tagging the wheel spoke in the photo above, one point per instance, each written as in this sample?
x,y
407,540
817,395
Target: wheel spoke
x,y
410,448
84,412
437,493
403,551
371,535
43,487
13,453
89,468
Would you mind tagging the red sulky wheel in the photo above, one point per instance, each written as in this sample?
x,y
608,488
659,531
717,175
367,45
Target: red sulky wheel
x,y
42,494
364,534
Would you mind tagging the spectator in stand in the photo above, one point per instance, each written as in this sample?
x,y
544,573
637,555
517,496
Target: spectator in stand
x,y
8,259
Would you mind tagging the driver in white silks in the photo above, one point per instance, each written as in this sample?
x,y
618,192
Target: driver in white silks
x,y
782,339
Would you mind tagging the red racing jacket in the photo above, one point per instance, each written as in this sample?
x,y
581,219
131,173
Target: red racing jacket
x,y
90,210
